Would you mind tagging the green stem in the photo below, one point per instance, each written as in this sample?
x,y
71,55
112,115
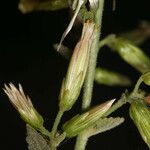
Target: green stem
x,y
136,88
56,123
44,131
81,142
106,40
89,81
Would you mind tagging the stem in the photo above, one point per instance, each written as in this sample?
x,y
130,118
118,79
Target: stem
x,y
136,88
89,81
44,131
56,123
106,40
81,142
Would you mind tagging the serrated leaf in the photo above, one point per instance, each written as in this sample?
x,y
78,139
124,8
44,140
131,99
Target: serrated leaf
x,y
35,140
103,125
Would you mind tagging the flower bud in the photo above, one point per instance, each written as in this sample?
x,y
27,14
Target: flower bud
x,y
80,122
73,82
140,114
131,54
110,78
24,106
27,6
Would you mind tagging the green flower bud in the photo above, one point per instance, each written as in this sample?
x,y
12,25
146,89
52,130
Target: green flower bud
x,y
27,6
24,106
131,54
146,78
73,82
80,122
110,78
140,114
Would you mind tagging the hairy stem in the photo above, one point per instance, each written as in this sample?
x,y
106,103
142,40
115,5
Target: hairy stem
x,y
81,142
89,81
56,123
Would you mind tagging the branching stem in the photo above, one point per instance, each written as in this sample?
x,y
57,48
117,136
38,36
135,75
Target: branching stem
x,y
89,81
56,123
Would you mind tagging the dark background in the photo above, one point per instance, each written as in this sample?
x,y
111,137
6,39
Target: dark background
x,y
27,57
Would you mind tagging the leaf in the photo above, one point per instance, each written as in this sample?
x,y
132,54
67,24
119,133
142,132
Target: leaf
x,y
103,125
35,140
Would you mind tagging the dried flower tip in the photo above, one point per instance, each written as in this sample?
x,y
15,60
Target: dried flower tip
x,y
93,4
147,100
80,122
23,105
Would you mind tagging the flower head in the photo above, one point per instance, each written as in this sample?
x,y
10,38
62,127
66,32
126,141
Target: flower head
x,y
73,82
140,114
82,121
131,54
23,105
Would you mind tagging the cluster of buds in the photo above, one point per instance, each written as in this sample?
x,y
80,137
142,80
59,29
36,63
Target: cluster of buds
x,y
73,82
140,114
80,122
24,106
131,54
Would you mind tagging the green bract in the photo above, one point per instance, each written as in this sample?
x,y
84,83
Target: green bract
x,y
73,82
80,122
24,106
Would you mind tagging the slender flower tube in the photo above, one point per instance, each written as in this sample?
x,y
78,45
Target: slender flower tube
x,y
131,54
73,82
24,106
80,122
140,114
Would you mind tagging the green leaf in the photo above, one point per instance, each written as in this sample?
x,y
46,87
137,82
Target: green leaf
x,y
103,125
35,140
